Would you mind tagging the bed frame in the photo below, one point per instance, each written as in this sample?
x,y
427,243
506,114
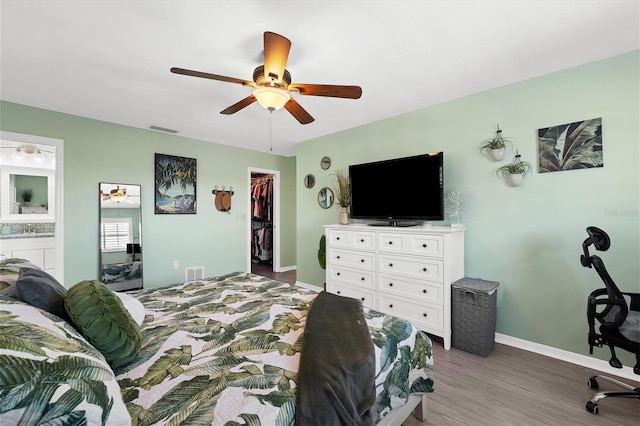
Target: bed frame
x,y
416,405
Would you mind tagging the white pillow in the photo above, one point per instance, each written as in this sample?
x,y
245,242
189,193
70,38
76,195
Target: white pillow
x,y
133,305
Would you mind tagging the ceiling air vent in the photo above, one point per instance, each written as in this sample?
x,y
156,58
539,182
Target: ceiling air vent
x,y
162,129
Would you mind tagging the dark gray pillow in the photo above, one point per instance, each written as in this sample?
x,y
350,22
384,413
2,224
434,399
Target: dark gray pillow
x,y
39,289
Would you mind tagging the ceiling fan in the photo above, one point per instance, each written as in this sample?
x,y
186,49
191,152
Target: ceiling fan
x,y
118,194
272,85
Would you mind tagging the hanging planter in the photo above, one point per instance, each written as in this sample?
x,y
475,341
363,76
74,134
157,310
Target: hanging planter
x,y
515,171
497,153
495,146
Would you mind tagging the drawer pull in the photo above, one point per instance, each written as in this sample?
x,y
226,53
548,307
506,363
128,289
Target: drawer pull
x,y
424,291
362,279
338,273
391,265
391,306
362,298
424,315
390,284
337,257
338,292
390,243
362,260
337,238
424,269
424,245
362,241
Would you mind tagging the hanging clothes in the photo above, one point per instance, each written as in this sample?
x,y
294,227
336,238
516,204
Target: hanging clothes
x,y
261,218
262,198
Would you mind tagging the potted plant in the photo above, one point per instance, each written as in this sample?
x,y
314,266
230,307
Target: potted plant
x,y
27,195
343,195
322,252
515,171
494,146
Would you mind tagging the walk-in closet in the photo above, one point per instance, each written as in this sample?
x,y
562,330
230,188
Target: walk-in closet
x,y
261,243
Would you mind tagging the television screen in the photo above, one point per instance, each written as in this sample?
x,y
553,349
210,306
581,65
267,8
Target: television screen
x,y
401,189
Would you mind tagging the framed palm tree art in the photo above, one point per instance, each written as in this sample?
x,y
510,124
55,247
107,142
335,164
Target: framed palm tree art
x,y
175,184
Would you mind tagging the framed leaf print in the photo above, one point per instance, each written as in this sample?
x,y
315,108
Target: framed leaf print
x,y
175,186
570,146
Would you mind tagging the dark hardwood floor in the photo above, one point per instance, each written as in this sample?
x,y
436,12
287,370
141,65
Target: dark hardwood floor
x,y
516,387
509,387
266,270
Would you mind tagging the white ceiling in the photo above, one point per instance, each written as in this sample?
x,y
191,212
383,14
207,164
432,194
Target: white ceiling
x,y
110,60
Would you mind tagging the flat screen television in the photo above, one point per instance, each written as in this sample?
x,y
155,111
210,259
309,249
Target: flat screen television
x,y
399,190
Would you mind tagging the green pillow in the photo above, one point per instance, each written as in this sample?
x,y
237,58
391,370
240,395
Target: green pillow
x,y
102,318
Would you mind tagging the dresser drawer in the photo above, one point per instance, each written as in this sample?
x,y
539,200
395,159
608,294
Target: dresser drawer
x,y
423,314
413,267
426,245
352,276
419,245
420,290
360,240
355,259
365,296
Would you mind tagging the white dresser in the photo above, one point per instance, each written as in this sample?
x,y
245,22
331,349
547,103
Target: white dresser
x,y
406,272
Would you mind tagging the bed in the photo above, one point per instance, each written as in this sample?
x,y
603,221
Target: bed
x,y
225,351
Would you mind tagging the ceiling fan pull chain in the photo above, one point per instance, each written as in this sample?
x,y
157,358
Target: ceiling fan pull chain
x,y
270,129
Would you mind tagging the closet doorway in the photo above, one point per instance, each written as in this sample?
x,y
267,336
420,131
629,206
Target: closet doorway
x,y
264,221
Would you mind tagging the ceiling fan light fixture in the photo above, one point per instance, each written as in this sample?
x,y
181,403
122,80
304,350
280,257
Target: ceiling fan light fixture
x,y
271,98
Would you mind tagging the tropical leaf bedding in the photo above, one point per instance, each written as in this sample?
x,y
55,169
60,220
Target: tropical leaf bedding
x,y
49,374
226,351
222,351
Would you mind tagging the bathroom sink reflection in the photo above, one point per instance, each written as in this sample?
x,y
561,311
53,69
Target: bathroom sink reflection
x,y
30,235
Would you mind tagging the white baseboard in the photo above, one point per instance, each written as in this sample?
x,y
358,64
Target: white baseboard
x,y
582,360
286,268
309,286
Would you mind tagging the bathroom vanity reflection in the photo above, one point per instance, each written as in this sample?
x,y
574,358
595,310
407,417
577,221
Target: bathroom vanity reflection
x,y
15,207
120,222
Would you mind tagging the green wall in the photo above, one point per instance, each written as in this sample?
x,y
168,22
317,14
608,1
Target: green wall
x,y
96,151
528,238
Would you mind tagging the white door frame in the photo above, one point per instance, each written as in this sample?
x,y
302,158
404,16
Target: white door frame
x,y
59,188
276,216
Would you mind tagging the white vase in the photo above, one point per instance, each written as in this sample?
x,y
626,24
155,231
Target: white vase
x,y
516,179
497,154
343,216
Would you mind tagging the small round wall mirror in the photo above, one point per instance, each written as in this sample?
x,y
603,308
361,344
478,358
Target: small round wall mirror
x,y
309,181
325,163
325,197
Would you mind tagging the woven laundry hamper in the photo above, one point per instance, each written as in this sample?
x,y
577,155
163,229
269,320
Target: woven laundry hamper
x,y
473,315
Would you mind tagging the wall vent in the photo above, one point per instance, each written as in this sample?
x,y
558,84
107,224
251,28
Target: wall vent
x,y
194,273
162,129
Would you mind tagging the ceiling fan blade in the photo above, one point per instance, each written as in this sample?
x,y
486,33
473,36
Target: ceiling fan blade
x,y
329,90
239,105
276,53
298,112
212,76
